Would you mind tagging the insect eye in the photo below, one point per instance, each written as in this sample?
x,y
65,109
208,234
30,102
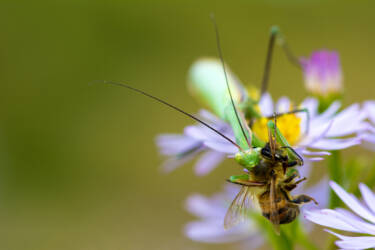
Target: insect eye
x,y
266,153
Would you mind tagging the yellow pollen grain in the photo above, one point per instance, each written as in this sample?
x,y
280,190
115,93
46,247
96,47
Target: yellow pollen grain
x,y
289,125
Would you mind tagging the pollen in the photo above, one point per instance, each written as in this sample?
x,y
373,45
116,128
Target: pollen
x,y
289,125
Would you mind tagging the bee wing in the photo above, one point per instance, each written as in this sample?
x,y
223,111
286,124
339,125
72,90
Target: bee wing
x,y
274,213
237,210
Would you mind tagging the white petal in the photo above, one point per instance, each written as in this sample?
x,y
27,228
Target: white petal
x,y
348,121
353,220
348,242
208,161
221,147
329,218
335,144
283,105
368,196
196,132
369,107
312,106
330,112
204,207
314,159
352,202
315,153
210,117
266,105
212,231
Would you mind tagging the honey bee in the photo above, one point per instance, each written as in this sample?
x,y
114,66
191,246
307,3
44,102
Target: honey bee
x,y
269,184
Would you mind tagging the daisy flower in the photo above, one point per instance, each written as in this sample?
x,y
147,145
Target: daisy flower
x,y
211,211
311,137
361,220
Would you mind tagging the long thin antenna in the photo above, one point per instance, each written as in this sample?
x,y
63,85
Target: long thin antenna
x,y
175,108
267,66
226,76
293,59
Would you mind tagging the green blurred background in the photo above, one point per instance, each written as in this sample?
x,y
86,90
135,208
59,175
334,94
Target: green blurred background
x,y
78,165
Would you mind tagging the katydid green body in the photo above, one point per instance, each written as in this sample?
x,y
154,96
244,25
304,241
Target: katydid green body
x,y
208,84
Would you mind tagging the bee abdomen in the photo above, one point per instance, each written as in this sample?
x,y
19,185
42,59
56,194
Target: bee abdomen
x,y
286,214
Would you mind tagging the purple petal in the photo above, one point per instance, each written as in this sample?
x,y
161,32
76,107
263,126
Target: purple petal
x,y
368,196
369,140
352,202
173,144
322,72
207,162
174,162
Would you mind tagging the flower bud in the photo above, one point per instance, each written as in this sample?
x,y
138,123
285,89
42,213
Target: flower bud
x,y
323,76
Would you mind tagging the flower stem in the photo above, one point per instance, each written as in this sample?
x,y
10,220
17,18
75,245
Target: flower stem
x,y
335,174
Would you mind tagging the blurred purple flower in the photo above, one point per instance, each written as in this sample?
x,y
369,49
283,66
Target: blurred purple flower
x,y
211,212
345,220
322,73
331,130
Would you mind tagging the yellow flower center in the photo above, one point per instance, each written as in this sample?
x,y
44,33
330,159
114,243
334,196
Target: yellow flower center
x,y
289,126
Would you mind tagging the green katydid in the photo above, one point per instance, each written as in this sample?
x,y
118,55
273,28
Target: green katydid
x,y
224,95
213,84
272,159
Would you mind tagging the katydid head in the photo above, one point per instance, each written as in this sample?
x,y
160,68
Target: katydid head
x,y
248,158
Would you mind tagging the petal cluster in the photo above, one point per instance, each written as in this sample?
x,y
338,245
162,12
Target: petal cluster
x,y
361,220
317,134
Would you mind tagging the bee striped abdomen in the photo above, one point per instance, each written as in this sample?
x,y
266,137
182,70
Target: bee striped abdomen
x,y
287,211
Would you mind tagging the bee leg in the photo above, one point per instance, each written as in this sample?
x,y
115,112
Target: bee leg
x,y
291,186
301,199
289,165
291,178
300,180
247,183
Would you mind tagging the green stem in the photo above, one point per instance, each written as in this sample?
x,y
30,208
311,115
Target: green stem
x,y
335,174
